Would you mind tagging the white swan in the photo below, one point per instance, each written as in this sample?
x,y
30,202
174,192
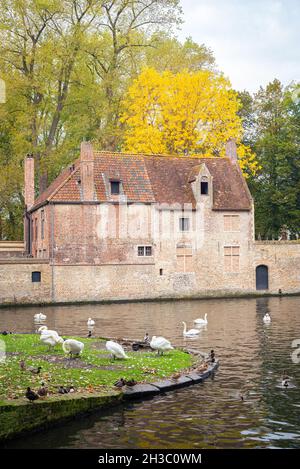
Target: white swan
x,y
191,332
73,347
267,318
200,321
160,344
50,338
115,349
90,322
40,317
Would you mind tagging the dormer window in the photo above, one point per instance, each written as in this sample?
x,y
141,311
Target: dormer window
x,y
115,187
204,186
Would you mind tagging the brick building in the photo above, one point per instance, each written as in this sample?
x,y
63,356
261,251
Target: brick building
x,y
117,226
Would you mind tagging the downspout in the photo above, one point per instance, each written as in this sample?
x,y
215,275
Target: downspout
x,y
28,233
52,254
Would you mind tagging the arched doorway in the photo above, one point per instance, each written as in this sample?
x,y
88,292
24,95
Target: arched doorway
x,y
262,277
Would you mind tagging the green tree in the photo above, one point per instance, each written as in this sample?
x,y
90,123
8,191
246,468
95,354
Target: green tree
x,y
276,190
52,52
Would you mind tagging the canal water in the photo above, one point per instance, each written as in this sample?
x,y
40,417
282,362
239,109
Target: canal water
x,y
212,414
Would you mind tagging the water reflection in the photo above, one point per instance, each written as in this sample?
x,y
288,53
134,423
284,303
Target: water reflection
x,y
210,415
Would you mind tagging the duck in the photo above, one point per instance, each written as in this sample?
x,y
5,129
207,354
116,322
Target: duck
x,y
115,349
73,347
34,370
130,382
267,318
50,338
42,391
22,365
120,383
202,367
40,317
62,390
212,356
176,376
202,321
160,344
147,338
285,383
90,322
31,395
191,332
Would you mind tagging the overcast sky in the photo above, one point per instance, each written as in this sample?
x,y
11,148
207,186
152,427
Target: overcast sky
x,y
254,41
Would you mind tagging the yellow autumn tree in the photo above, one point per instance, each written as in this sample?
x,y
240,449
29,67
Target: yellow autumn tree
x,y
183,114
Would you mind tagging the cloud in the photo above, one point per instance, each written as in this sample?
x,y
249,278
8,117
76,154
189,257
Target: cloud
x,y
254,41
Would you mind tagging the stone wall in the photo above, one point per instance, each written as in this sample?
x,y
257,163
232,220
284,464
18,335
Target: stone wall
x,y
131,281
16,286
9,249
283,261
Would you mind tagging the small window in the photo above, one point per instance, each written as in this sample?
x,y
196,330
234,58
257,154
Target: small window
x,y
184,224
204,187
161,271
144,250
141,251
148,250
115,187
35,276
42,224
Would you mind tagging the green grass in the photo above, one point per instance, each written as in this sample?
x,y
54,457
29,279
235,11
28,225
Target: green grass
x,y
141,366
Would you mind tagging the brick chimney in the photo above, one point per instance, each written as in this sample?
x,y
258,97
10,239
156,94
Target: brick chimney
x,y
87,171
29,194
230,149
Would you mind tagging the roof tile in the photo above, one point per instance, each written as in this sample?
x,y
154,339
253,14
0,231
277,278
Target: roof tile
x,y
153,178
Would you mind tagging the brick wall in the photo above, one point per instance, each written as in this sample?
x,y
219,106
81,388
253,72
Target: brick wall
x,y
16,284
71,283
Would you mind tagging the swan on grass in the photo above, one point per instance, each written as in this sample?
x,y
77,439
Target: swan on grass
x,y
267,318
49,337
73,347
40,317
160,344
115,349
191,332
202,321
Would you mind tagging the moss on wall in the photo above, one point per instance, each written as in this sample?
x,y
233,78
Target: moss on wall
x,y
18,417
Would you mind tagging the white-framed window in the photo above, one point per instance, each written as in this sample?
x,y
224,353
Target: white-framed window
x,y
184,224
144,251
231,223
231,258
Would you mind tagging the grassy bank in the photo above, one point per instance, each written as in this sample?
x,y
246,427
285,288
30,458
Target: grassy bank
x,y
93,372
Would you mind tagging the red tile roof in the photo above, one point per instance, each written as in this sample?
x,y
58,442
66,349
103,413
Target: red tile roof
x,y
153,179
